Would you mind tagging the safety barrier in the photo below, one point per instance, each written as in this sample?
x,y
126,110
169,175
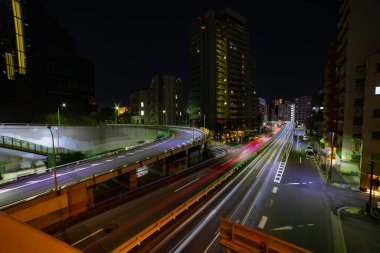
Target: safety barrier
x,y
13,143
239,238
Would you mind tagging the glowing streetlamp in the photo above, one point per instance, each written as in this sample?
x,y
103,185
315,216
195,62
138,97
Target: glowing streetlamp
x,y
116,112
163,117
54,161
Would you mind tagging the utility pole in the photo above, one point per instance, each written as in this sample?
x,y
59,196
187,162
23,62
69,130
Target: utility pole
x,y
369,207
332,154
54,161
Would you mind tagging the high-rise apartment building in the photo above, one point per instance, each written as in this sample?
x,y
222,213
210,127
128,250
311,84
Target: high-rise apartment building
x,y
262,109
39,68
356,78
221,71
161,103
302,109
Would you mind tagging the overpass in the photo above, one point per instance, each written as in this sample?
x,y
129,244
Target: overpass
x,y
34,201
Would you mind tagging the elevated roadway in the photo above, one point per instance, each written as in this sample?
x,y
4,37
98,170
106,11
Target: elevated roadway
x,y
29,200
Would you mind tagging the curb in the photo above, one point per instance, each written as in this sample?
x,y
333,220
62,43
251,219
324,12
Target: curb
x,y
339,243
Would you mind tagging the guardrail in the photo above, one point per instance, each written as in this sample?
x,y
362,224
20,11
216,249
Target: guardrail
x,y
13,143
239,238
147,232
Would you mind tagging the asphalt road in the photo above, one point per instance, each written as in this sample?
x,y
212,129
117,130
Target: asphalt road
x,y
296,209
199,232
127,220
20,190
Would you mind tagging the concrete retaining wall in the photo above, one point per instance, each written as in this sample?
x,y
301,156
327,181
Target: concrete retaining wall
x,y
82,138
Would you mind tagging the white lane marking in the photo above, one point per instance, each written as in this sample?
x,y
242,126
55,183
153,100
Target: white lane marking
x,y
121,156
262,222
187,184
130,153
293,183
274,189
300,159
85,238
109,160
6,190
284,228
212,242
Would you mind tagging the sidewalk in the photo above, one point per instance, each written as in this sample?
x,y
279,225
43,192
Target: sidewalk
x,y
343,181
360,231
353,229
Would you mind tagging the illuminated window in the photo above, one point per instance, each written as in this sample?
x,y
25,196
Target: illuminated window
x,y
142,104
198,51
203,27
176,97
142,113
377,90
232,92
10,66
19,36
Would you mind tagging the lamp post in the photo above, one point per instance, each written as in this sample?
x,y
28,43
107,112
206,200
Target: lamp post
x,y
163,117
116,112
59,122
54,161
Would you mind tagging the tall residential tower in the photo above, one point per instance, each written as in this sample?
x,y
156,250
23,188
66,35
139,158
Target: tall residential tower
x,y
221,72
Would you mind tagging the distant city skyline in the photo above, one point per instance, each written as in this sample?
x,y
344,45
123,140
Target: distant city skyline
x,y
129,42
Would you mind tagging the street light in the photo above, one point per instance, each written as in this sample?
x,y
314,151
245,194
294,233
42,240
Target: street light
x,y
59,121
54,161
164,117
116,112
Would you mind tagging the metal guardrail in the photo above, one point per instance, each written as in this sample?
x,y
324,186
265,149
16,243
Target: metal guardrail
x,y
239,238
156,226
13,143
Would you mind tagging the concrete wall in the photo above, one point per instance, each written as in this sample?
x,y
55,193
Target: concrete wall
x,y
82,138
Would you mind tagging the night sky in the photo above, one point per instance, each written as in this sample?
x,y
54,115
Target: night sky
x,y
130,41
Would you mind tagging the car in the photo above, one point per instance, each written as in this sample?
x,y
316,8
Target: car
x,y
305,138
310,155
309,148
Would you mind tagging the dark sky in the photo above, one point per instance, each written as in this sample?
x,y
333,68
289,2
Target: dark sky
x,y
130,41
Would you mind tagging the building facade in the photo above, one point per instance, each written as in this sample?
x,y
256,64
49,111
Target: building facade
x,y
221,72
302,109
161,103
356,77
262,109
39,67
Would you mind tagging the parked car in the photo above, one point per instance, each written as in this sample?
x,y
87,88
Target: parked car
x,y
310,155
305,138
309,148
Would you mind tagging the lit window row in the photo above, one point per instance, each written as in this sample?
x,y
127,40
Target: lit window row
x,y
19,36
10,66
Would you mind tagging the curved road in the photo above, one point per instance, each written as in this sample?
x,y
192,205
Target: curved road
x,y
35,185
